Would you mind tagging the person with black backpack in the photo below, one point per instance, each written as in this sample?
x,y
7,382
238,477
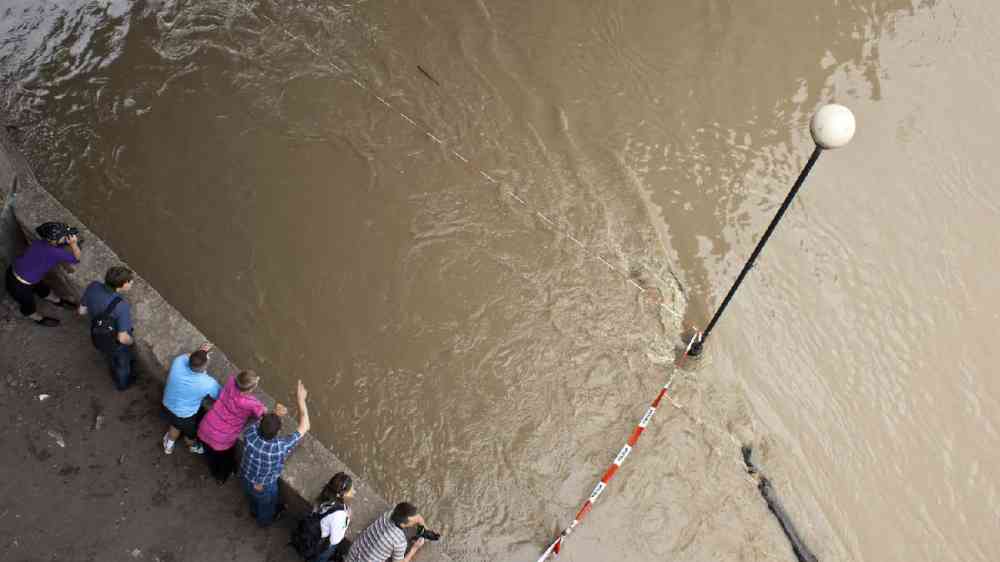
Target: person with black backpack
x,y
320,536
111,322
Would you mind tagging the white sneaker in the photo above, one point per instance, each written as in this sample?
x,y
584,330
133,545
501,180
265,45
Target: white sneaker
x,y
168,445
196,448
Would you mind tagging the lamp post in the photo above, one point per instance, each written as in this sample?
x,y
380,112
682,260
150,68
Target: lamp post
x,y
831,127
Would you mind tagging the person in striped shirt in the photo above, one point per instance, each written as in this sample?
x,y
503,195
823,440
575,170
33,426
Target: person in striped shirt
x,y
385,538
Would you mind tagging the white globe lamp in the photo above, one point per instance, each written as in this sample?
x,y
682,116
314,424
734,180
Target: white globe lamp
x,y
832,126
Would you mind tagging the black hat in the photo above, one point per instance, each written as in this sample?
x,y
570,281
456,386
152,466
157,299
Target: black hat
x,y
53,231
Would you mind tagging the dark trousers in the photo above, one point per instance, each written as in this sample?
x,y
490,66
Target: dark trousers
x,y
187,426
25,294
121,362
220,463
334,552
263,503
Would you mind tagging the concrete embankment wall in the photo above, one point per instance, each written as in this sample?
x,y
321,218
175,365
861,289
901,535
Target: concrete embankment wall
x,y
162,332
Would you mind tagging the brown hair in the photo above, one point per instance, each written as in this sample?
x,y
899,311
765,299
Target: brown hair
x,y
270,425
247,380
117,276
198,360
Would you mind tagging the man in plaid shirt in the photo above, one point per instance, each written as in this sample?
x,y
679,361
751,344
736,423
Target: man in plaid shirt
x,y
264,455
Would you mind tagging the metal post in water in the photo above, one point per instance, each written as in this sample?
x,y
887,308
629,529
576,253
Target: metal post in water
x,y
831,127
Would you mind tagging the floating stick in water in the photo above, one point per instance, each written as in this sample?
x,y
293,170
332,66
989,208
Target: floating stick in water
x,y
427,74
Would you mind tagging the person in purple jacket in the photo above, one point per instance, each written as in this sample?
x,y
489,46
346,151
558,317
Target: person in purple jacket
x,y
24,278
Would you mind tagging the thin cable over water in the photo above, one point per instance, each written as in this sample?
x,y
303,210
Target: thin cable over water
x,y
562,231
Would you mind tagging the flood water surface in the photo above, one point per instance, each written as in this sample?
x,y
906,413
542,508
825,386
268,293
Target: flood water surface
x,y
463,304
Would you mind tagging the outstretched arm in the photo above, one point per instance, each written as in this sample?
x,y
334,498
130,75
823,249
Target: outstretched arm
x,y
303,410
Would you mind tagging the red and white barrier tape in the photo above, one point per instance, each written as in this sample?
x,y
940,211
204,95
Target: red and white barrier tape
x,y
619,459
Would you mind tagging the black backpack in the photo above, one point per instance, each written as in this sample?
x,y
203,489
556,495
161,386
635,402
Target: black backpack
x,y
102,328
307,535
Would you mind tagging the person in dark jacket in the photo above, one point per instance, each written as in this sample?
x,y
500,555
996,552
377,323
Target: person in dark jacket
x,y
95,301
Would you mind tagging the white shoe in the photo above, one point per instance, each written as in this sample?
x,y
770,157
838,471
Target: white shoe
x,y
168,445
196,448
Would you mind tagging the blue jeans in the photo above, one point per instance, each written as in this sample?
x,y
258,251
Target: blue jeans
x,y
120,361
340,549
263,504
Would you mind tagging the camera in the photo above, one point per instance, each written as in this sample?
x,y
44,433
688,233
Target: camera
x,y
74,231
426,534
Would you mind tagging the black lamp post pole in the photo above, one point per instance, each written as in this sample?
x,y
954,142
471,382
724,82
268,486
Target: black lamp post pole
x,y
696,348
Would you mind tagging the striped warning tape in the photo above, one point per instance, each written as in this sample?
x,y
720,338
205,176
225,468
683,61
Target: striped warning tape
x,y
623,454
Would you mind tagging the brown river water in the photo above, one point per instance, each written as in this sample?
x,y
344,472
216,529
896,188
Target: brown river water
x,y
466,354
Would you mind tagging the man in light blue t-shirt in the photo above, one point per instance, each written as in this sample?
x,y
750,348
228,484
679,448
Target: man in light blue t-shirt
x,y
187,385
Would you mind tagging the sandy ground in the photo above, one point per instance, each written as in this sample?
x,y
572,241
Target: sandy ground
x,y
73,489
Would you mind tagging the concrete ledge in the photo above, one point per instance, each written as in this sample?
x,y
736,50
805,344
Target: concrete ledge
x,y
162,332
8,184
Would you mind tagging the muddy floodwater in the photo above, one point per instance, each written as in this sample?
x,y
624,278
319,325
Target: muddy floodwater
x,y
438,215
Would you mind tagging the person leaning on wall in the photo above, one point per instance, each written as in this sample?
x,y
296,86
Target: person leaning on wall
x,y
321,536
107,306
264,455
385,538
188,384
221,427
24,278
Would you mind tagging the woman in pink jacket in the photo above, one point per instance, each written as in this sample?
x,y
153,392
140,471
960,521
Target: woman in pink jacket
x,y
221,427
